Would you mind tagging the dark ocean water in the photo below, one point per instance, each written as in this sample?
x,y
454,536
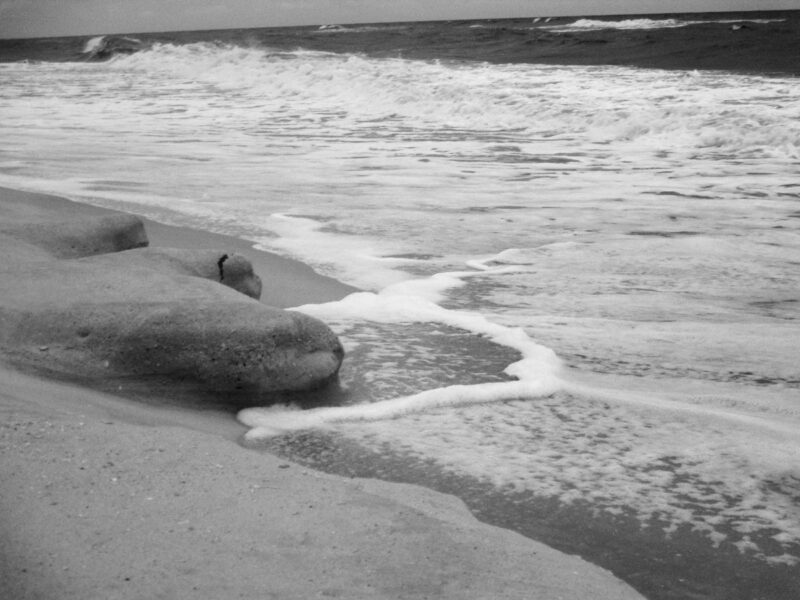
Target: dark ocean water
x,y
762,41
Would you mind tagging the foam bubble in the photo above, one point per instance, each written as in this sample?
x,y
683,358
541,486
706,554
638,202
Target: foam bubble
x,y
392,307
268,422
307,239
589,24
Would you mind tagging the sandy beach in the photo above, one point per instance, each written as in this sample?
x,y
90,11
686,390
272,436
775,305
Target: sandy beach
x,y
109,497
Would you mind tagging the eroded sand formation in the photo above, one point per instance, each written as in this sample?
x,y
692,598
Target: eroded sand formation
x,y
88,298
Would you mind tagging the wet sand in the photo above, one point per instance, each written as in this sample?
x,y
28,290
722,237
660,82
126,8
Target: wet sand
x,y
106,497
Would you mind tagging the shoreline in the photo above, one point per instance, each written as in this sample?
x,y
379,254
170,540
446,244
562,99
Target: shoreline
x,y
105,496
94,506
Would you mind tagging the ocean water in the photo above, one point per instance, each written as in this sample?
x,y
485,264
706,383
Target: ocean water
x,y
580,306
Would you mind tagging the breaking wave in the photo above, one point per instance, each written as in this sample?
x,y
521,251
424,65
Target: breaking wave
x,y
677,112
589,24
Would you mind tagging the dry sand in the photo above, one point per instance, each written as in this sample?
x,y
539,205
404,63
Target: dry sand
x,y
103,497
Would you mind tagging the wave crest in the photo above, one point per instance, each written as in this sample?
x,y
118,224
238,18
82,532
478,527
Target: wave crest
x,y
629,24
666,111
105,46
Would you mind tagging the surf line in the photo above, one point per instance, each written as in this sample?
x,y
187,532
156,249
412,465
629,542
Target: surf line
x,y
536,373
539,373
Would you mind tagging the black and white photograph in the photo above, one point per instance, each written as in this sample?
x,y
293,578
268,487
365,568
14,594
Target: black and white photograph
x,y
414,300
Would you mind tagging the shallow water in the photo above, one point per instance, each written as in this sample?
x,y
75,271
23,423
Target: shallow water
x,y
580,309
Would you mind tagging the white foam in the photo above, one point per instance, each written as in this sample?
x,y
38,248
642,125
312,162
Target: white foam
x,y
646,216
391,306
269,422
628,24
358,28
654,450
307,240
93,44
458,96
413,301
589,24
356,136
613,457
653,455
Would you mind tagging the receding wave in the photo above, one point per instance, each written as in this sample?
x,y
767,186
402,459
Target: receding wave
x,y
669,42
665,457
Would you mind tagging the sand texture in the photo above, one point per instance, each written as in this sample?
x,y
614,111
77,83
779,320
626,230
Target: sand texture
x,y
103,497
94,506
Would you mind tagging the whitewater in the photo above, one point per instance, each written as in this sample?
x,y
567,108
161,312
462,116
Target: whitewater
x,y
579,282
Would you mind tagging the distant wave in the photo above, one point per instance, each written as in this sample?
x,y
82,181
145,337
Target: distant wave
x,y
358,29
627,24
589,24
105,46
